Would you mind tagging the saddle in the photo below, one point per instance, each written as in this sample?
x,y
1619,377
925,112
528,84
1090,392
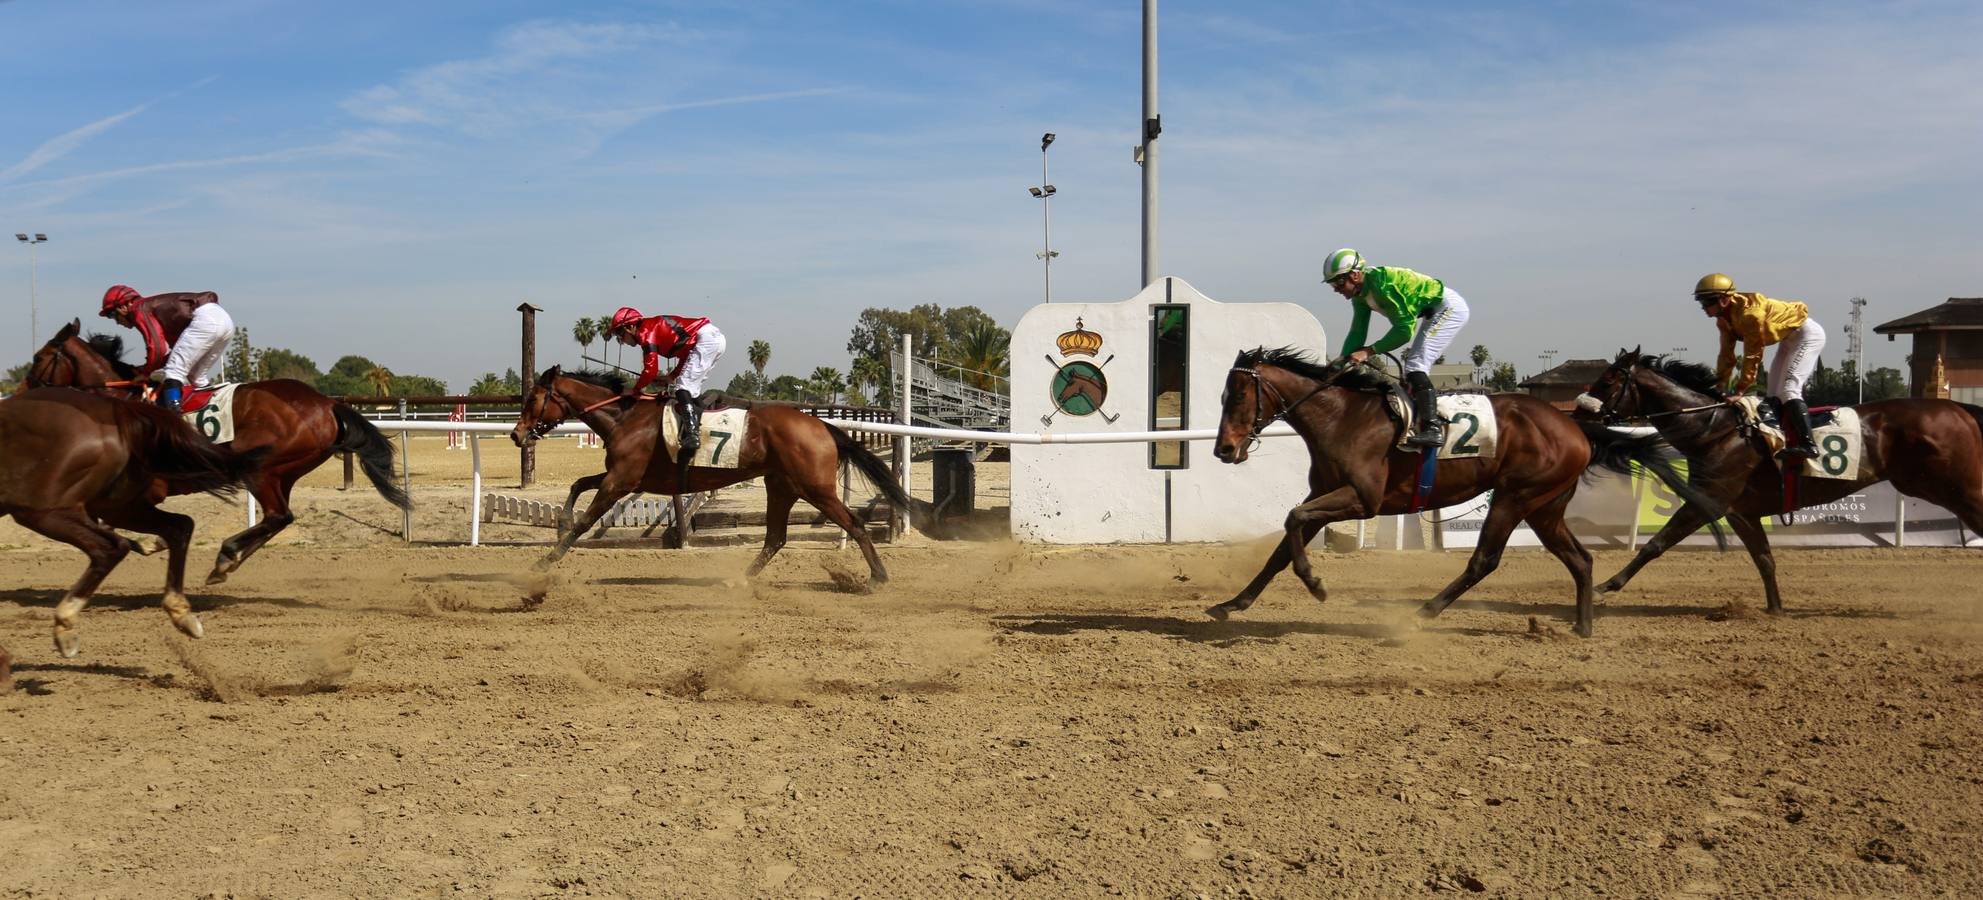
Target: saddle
x,y
192,400
1759,416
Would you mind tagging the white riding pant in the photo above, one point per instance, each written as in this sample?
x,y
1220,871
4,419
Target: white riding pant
x,y
1436,332
1796,358
709,344
201,346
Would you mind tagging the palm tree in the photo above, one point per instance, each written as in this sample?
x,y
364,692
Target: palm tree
x,y
380,378
867,372
585,331
760,356
487,386
1479,355
827,383
984,353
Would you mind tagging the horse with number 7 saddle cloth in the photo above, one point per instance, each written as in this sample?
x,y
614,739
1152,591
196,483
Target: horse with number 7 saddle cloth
x,y
720,438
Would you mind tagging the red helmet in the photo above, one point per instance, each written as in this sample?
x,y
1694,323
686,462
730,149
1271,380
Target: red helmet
x,y
625,317
118,297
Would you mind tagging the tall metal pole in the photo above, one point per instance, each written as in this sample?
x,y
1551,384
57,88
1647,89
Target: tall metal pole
x,y
34,289
1046,221
1153,124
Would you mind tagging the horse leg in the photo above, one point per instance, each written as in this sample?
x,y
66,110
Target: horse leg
x,y
1342,503
1758,543
177,531
578,487
823,496
601,504
1502,517
272,492
1276,561
1686,520
778,499
1548,524
105,549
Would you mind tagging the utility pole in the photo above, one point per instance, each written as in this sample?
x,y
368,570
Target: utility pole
x,y
34,288
527,464
1045,194
1855,344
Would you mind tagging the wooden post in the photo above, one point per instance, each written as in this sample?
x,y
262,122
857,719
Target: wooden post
x,y
528,463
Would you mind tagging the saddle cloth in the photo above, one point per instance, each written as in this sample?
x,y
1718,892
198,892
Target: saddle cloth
x,y
1471,429
210,410
722,436
1834,429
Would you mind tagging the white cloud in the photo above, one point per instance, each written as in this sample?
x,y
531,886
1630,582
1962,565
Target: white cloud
x,y
62,145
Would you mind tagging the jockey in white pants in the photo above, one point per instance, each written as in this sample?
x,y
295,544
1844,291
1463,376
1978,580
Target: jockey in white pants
x,y
1421,310
1759,321
185,335
695,345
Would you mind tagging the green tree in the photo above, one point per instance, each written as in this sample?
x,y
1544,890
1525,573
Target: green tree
x,y
760,356
747,384
12,381
240,363
867,372
380,379
346,377
1885,383
1479,355
418,386
585,331
826,384
512,382
489,385
1504,378
786,387
983,351
275,362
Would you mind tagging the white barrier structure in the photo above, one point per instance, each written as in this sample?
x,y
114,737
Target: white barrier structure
x,y
1152,363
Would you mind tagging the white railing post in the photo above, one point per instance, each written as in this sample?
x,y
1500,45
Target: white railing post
x,y
475,489
908,418
406,478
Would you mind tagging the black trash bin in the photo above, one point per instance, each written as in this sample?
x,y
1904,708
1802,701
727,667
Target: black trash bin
x,y
954,482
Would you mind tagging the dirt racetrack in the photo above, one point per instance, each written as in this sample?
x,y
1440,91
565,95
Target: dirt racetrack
x,y
369,719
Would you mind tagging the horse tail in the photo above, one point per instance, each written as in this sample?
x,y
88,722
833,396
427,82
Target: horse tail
x,y
921,514
1615,451
358,436
185,459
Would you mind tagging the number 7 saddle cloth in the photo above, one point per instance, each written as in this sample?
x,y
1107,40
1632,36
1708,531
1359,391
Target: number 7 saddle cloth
x,y
722,435
1471,429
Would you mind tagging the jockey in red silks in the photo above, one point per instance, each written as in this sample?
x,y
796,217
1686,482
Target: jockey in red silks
x,y
185,335
694,344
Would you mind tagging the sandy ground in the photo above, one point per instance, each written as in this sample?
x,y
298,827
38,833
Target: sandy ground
x,y
370,719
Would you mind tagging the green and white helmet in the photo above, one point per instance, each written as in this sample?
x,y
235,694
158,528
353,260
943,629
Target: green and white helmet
x,y
1342,262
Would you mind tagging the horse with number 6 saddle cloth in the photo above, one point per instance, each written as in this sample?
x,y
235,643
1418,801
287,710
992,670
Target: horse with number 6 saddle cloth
x,y
210,410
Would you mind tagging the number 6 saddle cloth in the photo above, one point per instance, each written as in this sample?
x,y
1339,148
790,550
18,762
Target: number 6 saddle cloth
x,y
1835,431
210,410
722,435
1471,429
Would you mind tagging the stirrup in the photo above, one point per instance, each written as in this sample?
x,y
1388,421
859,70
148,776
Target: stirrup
x,y
1798,452
1427,437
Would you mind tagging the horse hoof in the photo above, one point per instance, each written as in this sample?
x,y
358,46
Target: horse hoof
x,y
68,642
1428,611
1219,612
1320,593
189,625
216,577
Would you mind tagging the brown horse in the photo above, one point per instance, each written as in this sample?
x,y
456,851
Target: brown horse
x,y
1932,449
1356,471
300,427
72,463
798,456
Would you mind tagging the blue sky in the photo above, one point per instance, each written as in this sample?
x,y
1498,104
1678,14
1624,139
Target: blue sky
x,y
393,179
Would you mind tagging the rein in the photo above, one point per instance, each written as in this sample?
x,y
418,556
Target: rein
x,y
1261,384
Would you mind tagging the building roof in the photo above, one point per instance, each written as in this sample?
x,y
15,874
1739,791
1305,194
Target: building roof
x,y
1576,372
1957,313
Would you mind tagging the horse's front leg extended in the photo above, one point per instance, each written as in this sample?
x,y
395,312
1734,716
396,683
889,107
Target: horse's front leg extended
x,y
1686,520
601,504
1303,523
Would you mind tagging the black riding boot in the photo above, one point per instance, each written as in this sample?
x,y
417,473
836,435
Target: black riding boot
x,y
1426,431
691,415
1797,432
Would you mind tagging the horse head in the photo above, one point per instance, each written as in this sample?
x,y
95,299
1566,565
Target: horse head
x,y
69,361
1265,385
543,409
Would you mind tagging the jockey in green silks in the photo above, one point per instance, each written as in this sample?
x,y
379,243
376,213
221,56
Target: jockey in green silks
x,y
1422,311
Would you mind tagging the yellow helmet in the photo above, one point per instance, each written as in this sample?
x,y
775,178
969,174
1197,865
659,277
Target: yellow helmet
x,y
1714,284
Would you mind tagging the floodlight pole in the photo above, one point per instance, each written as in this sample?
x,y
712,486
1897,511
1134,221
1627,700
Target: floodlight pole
x,y
34,288
1046,217
1152,125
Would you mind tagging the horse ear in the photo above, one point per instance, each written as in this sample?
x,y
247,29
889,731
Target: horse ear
x,y
70,330
1636,351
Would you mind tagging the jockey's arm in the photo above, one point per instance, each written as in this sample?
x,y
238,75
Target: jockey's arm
x,y
650,368
1400,334
1359,327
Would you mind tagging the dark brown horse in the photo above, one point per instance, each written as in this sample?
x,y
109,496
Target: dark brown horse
x,y
1932,449
798,456
72,463
300,427
1356,471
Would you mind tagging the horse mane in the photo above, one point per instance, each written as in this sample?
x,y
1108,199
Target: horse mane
x,y
108,347
1691,375
1358,378
613,381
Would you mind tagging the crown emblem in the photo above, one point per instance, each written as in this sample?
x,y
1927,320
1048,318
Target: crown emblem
x,y
1080,341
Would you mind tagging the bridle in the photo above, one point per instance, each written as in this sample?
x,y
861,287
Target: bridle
x,y
60,352
1261,385
1631,392
543,425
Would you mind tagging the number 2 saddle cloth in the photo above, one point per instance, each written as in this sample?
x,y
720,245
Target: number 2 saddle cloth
x,y
1471,429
